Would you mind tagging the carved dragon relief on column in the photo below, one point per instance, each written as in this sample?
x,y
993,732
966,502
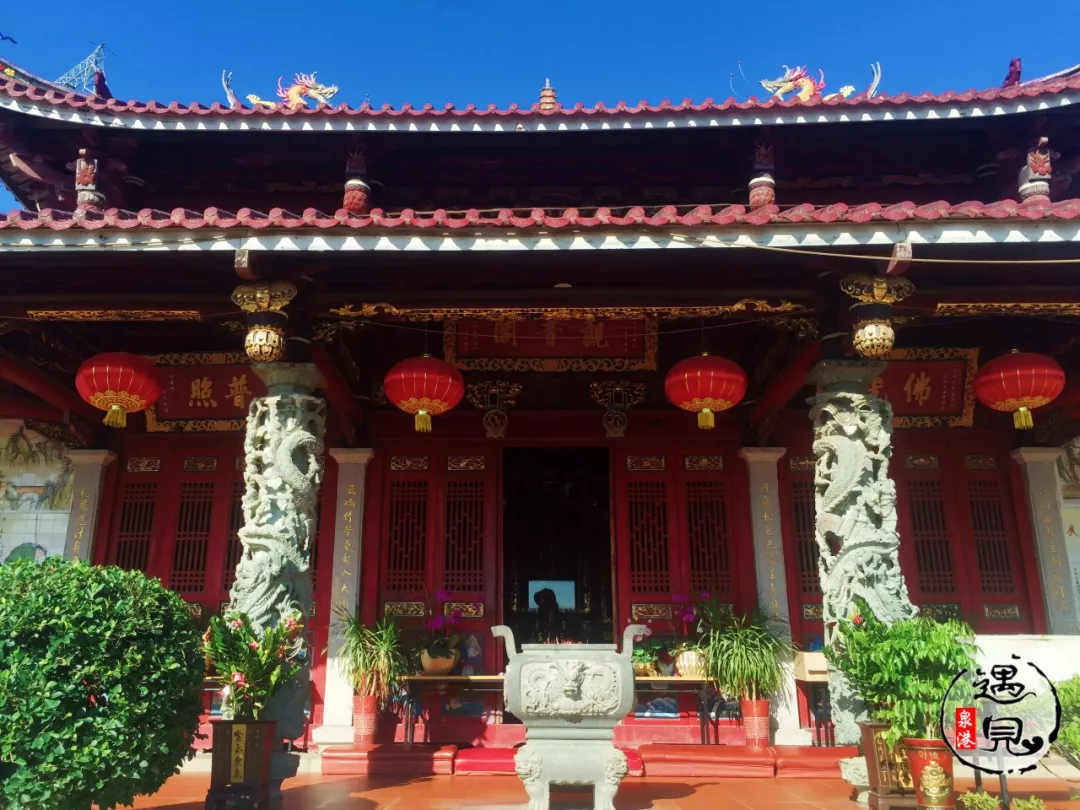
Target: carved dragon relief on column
x,y
855,504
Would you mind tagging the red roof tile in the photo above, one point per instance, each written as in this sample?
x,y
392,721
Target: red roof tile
x,y
568,219
16,90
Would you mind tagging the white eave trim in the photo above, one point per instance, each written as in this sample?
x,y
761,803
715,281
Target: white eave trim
x,y
580,122
315,240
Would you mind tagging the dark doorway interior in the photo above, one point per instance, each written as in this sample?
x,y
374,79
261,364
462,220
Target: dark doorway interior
x,y
557,544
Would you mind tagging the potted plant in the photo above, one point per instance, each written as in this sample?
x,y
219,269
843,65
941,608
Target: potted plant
x,y
372,660
746,658
687,653
645,655
916,662
440,654
253,667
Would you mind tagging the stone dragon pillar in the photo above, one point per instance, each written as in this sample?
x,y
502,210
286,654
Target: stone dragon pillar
x,y
855,507
282,473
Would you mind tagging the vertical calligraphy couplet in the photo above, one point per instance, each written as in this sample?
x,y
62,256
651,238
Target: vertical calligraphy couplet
x,y
86,484
345,587
1044,506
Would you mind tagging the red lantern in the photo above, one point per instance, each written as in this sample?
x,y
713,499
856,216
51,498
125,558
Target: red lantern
x,y
118,383
705,385
1018,382
424,387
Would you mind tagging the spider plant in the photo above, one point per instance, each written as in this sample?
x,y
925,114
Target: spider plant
x,y
746,657
371,656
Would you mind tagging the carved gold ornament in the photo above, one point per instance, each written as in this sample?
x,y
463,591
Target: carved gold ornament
x,y
483,395
113,314
1022,309
264,344
873,338
607,393
264,297
869,289
934,785
747,306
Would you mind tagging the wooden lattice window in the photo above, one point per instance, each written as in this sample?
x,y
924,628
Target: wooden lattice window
x,y
930,536
193,522
707,533
406,535
464,564
806,549
994,544
647,529
233,549
135,526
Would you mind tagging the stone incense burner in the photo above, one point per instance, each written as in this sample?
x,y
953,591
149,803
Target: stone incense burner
x,y
569,696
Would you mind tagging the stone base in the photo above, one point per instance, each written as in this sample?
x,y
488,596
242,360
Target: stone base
x,y
405,760
544,765
793,736
720,761
333,735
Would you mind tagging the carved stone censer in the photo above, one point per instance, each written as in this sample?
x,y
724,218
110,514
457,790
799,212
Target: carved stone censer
x,y
570,697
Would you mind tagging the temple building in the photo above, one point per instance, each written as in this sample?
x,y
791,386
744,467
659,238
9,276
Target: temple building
x,y
857,258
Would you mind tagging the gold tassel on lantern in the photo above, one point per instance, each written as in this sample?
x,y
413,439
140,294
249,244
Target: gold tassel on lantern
x,y
705,419
423,422
115,417
1022,419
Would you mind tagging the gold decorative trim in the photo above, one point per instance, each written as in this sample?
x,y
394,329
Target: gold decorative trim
x,y
200,464
549,364
928,461
113,314
603,393
801,464
469,610
503,394
144,464
465,463
195,609
941,611
877,289
1002,612
199,359
646,463
978,462
222,607
195,425
409,463
967,415
1026,309
651,611
748,306
404,610
812,612
241,464
703,463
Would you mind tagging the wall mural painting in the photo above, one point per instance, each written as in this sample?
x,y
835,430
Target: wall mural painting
x,y
36,488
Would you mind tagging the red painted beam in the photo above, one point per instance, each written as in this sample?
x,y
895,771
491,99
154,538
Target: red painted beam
x,y
36,382
25,408
787,383
338,394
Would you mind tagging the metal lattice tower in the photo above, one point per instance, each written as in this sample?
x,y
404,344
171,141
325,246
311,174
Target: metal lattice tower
x,y
81,77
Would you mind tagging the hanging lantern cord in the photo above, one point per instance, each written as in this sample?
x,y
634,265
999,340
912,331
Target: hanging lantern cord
x,y
705,419
115,417
423,422
1022,419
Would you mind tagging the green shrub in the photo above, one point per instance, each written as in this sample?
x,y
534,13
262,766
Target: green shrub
x,y
100,685
1034,803
1068,741
979,801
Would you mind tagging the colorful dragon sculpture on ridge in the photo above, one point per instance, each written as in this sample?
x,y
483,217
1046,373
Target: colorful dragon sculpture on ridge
x,y
303,87
797,80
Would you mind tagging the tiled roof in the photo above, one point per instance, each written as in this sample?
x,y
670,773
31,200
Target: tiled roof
x,y
548,219
71,102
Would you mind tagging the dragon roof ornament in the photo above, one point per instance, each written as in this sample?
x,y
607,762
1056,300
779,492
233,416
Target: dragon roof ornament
x,y
303,87
799,81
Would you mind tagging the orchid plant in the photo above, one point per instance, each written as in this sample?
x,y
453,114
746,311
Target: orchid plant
x,y
441,624
252,665
697,617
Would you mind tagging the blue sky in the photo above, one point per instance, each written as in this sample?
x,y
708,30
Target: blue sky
x,y
481,51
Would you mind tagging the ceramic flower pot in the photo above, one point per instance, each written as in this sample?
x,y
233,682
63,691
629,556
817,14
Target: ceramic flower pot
x,y
690,664
438,665
642,670
931,772
755,719
365,719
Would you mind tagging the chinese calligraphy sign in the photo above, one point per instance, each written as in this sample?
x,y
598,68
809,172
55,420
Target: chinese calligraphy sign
x,y
1002,718
551,345
929,387
203,392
